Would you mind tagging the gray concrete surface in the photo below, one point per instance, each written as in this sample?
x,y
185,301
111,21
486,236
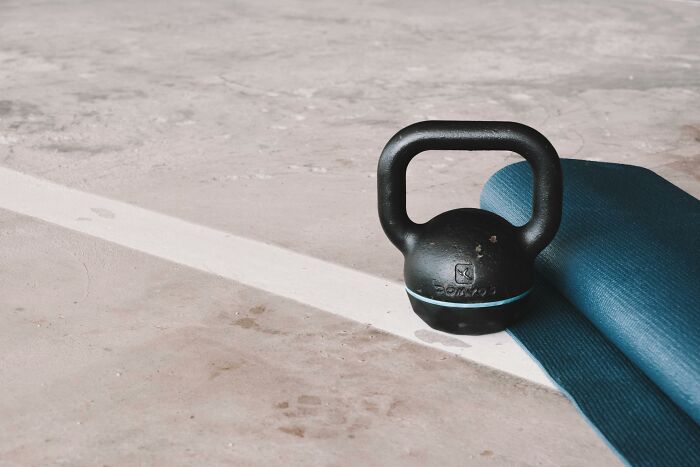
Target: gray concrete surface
x,y
109,357
265,119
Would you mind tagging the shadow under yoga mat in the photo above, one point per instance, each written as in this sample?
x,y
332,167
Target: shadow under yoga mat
x,y
615,317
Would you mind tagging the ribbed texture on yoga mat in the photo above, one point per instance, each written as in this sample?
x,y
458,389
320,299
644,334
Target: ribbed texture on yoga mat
x,y
636,418
627,256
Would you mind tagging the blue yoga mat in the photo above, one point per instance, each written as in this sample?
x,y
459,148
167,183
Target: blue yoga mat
x,y
615,315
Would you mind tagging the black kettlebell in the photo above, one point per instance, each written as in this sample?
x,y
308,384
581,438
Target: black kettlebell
x,y
469,271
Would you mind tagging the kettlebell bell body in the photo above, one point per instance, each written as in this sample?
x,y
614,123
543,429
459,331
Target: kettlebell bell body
x,y
469,271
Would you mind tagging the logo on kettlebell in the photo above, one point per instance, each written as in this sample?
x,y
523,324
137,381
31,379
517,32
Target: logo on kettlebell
x,y
464,273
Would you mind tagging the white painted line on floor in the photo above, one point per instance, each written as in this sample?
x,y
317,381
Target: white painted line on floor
x,y
320,284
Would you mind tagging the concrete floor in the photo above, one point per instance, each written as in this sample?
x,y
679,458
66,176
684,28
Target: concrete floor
x,y
176,367
266,119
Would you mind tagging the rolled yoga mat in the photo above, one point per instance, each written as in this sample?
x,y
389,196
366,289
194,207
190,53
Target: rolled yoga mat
x,y
615,314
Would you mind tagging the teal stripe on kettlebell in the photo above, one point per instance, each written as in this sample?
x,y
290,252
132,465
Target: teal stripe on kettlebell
x,y
468,305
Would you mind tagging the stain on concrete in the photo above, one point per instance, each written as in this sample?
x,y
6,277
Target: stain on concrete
x,y
370,406
91,96
258,310
109,95
218,369
394,408
691,131
432,337
245,323
72,148
690,167
293,430
252,324
309,400
21,109
25,117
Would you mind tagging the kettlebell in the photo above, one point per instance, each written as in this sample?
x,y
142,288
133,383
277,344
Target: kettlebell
x,y
469,271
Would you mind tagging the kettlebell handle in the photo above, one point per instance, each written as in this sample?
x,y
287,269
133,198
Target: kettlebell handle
x,y
470,136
